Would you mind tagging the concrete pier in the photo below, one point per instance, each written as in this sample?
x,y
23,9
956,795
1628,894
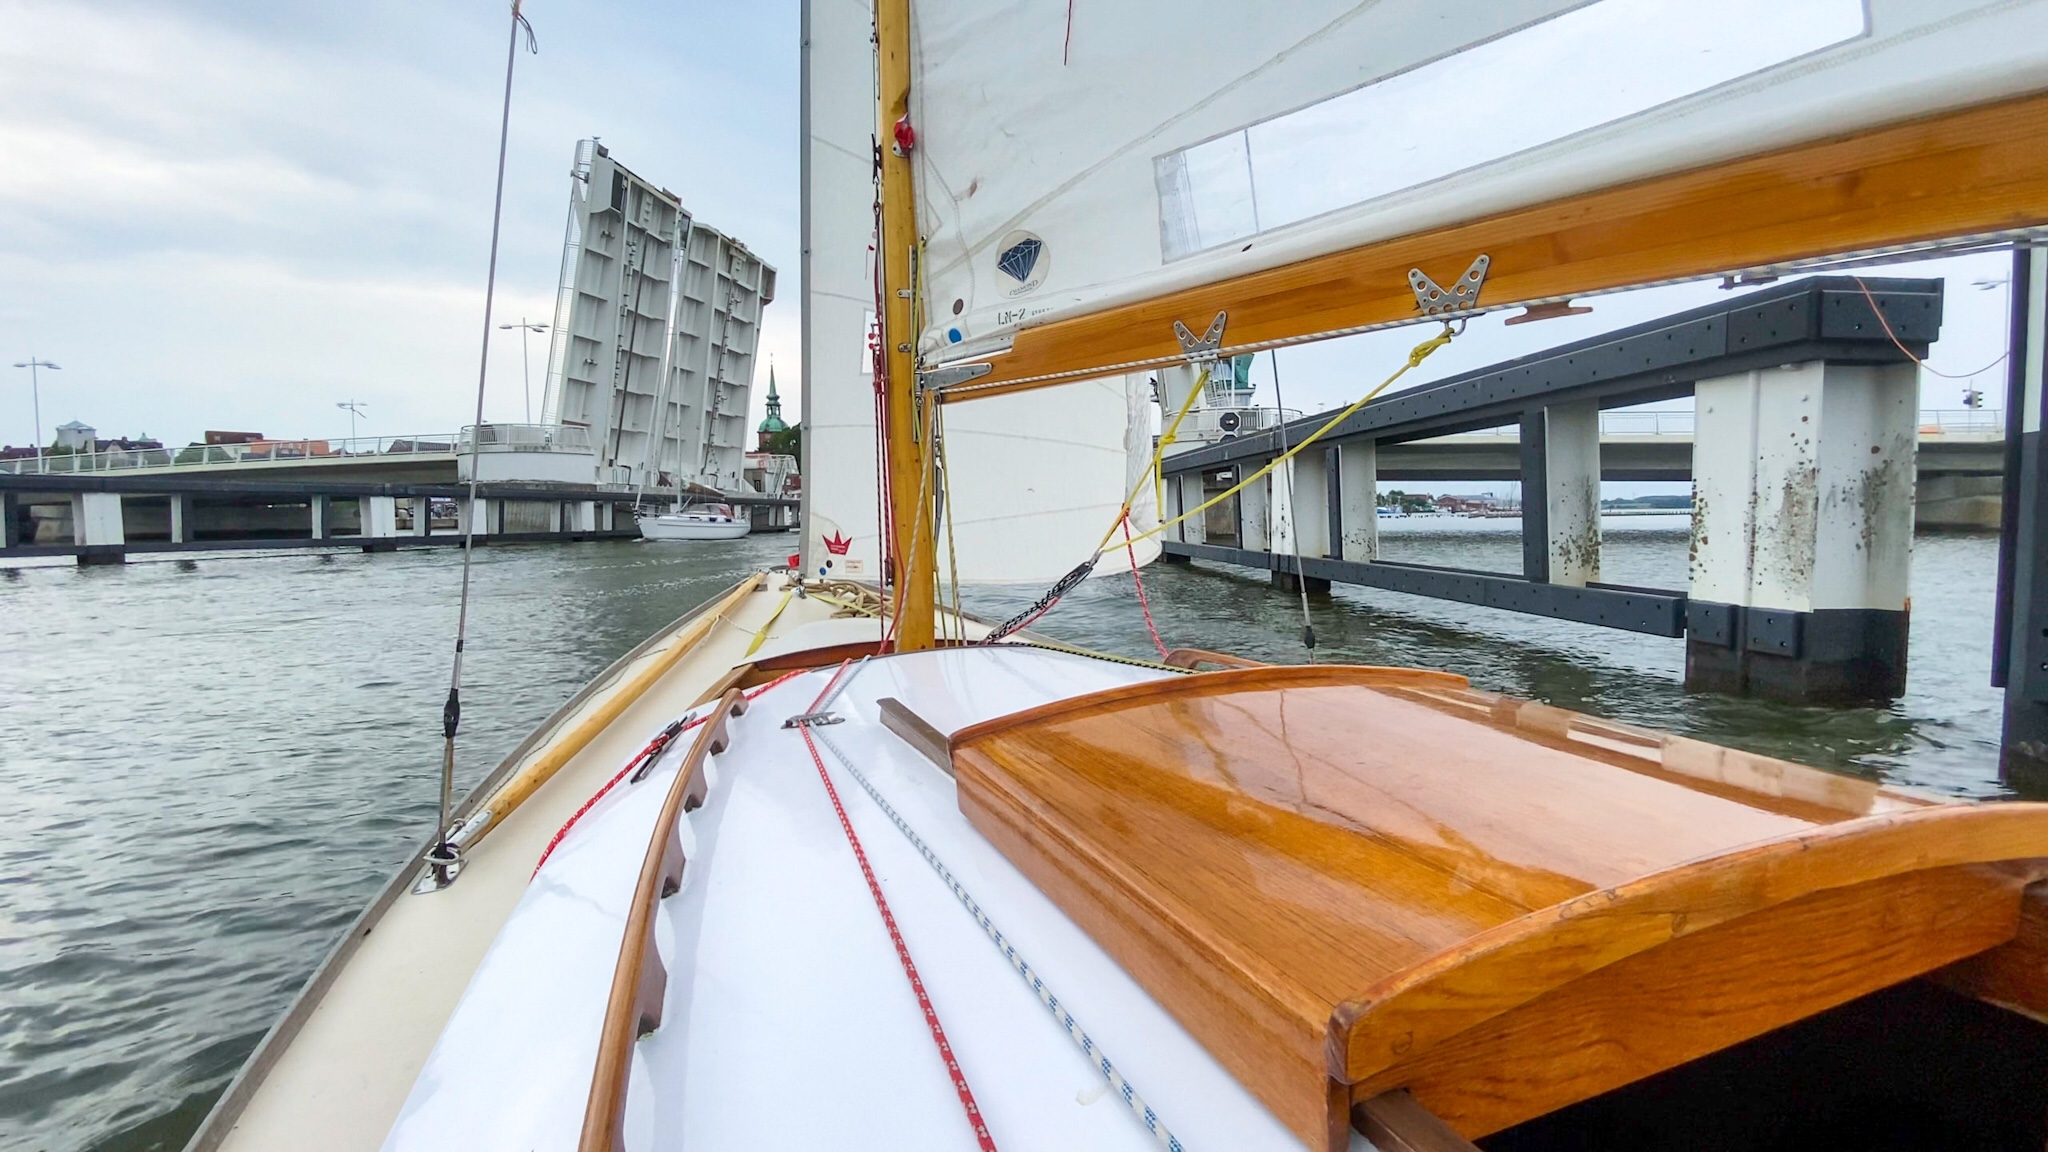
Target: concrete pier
x,y
1802,534
1803,448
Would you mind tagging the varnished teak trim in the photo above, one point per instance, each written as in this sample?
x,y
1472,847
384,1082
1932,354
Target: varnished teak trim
x,y
1968,173
639,981
1246,679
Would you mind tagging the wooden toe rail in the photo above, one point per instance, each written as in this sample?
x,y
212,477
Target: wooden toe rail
x,y
639,981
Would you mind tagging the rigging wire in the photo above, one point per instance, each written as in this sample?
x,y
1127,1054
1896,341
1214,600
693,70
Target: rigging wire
x,y
1308,627
444,853
1067,582
1894,337
1144,605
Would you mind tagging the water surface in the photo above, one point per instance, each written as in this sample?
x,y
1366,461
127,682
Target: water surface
x,y
211,764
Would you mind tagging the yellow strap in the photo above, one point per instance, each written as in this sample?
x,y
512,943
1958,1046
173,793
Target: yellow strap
x,y
1418,355
761,637
1152,470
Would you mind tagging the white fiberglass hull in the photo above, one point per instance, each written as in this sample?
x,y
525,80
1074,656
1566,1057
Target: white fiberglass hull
x,y
687,527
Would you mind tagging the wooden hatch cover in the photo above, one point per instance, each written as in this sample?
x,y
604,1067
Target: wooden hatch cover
x,y
1347,881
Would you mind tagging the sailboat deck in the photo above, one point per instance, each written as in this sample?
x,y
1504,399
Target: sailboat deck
x,y
788,1015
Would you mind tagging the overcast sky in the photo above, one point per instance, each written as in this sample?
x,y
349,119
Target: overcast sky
x,y
234,213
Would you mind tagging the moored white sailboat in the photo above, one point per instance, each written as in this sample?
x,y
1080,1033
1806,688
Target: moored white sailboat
x,y
821,862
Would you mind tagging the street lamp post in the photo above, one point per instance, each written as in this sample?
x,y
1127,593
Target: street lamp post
x,y
355,409
525,369
36,400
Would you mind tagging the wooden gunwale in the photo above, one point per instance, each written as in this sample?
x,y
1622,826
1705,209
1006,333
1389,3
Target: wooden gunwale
x,y
634,1006
530,777
228,1108
1982,170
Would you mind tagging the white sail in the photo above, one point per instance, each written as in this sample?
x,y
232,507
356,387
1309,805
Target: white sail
x,y
1036,479
1075,157
840,498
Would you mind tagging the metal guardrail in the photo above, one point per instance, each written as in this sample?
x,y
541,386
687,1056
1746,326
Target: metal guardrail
x,y
526,438
258,452
1933,422
495,438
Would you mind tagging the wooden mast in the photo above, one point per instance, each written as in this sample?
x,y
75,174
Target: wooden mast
x,y
911,545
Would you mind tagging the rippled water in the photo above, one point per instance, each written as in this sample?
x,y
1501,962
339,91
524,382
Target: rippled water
x,y
210,765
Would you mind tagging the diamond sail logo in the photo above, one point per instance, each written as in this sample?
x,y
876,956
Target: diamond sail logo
x,y
1022,260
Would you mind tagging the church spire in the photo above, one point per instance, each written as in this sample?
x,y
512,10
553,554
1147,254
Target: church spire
x,y
772,422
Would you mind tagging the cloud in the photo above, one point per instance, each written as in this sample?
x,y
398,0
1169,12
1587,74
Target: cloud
x,y
234,214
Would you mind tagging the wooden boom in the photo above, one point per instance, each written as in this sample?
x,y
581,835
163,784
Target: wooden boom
x,y
1350,882
1979,171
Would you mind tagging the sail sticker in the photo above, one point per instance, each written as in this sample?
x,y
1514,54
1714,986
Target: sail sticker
x,y
1022,257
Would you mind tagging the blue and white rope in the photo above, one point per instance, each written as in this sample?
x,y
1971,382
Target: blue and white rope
x,y
1123,1088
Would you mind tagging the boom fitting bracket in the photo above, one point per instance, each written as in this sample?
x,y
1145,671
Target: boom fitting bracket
x,y
1206,348
1463,295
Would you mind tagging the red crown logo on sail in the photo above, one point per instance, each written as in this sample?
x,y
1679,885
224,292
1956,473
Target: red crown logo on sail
x,y
837,544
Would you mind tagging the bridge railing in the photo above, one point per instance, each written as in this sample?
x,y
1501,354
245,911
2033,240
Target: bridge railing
x,y
255,452
1943,421
1933,422
526,438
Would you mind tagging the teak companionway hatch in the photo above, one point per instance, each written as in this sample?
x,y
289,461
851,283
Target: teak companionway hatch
x,y
1348,881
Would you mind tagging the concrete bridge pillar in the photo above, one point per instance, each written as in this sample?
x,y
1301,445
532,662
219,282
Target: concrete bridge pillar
x,y
379,522
422,516
380,516
473,518
10,520
582,516
1187,488
1357,520
1299,525
181,519
319,513
97,525
1802,532
1255,511
1571,481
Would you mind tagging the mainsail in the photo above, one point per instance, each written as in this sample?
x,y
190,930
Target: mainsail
x,y
1076,157
1033,481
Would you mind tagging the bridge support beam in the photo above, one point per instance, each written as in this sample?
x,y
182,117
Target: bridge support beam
x,y
181,519
1571,495
10,520
2020,656
379,516
1300,525
1188,494
1802,532
98,527
1255,511
582,516
319,513
1357,501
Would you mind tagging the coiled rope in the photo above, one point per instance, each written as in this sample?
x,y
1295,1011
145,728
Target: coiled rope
x,y
1023,968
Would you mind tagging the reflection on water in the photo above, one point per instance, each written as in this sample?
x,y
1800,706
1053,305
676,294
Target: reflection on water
x,y
212,763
